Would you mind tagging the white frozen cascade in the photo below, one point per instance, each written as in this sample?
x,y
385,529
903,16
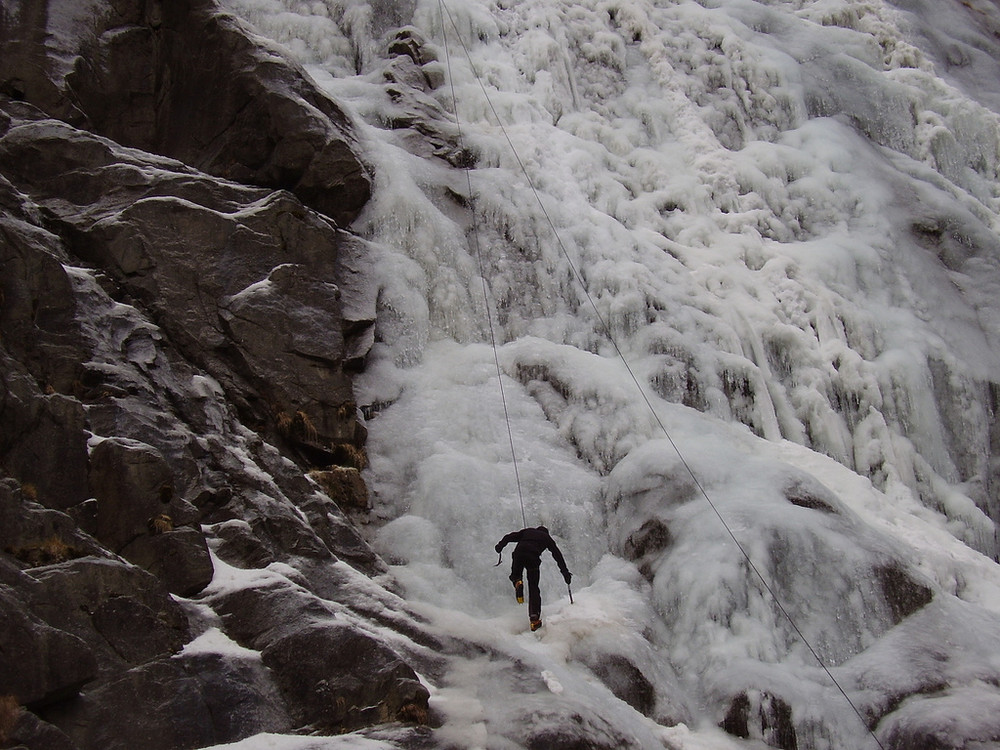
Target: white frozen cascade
x,y
782,219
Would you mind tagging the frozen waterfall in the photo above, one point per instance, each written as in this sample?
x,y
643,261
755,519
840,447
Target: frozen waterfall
x,y
786,216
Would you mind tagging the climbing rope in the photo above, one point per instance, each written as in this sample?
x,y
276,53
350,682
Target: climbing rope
x,y
610,335
482,270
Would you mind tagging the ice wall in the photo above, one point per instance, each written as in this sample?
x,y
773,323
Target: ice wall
x,y
784,216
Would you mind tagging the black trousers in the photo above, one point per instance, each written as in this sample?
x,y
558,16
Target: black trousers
x,y
529,564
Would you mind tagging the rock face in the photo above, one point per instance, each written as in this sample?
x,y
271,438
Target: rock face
x,y
180,315
184,80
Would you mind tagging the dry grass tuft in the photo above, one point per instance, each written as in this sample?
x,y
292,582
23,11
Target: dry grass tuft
x,y
298,426
350,456
46,552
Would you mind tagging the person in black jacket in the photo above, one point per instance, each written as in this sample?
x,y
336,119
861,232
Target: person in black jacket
x,y
531,543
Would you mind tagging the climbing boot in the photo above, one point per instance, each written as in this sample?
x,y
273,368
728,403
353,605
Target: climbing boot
x,y
535,624
519,591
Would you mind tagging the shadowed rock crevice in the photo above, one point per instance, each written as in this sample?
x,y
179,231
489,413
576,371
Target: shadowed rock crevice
x,y
756,715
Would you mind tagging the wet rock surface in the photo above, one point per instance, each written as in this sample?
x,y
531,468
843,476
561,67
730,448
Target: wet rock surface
x,y
180,317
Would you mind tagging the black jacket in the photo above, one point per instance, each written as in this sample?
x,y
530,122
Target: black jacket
x,y
531,543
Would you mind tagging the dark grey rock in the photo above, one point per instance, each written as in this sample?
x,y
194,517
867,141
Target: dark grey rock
x,y
123,614
333,676
902,592
176,350
256,617
238,546
758,715
215,263
32,733
132,629
34,535
355,271
187,701
288,328
189,81
338,678
917,723
563,728
240,695
178,557
626,681
43,442
39,664
133,485
157,706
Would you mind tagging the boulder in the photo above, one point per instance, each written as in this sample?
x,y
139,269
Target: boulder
x,y
256,617
133,629
123,614
237,545
562,728
240,695
903,594
157,706
626,681
178,557
172,704
284,529
288,328
954,718
759,715
410,42
338,533
39,664
333,676
28,732
339,679
133,485
645,545
42,442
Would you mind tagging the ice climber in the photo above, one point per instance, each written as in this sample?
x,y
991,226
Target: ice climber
x,y
531,543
